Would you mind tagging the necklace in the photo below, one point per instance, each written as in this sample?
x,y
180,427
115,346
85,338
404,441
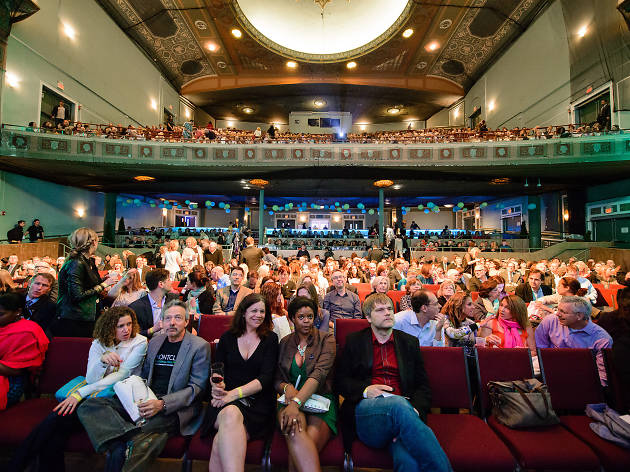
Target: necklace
x,y
301,350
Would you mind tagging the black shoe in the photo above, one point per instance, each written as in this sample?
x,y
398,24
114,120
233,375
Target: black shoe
x,y
142,450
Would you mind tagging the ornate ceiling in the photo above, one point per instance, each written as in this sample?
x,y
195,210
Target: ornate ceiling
x,y
453,43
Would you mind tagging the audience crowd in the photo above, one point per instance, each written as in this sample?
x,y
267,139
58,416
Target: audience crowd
x,y
143,312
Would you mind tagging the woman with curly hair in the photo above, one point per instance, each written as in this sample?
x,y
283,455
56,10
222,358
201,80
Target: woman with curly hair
x,y
116,353
459,329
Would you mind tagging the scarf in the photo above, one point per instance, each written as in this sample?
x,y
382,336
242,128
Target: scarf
x,y
511,336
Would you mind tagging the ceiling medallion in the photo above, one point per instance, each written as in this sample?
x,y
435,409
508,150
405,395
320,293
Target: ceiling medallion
x,y
383,183
201,25
259,182
446,24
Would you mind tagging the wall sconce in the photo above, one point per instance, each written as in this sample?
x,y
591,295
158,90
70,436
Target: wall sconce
x,y
12,79
80,212
153,104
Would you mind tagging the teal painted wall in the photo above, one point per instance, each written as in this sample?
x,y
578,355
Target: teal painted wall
x,y
25,198
100,68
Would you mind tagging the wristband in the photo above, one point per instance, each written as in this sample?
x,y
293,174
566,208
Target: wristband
x,y
284,390
150,330
297,400
76,396
240,392
365,392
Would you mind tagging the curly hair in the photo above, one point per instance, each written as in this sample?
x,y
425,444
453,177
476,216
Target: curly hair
x,y
271,291
453,308
105,328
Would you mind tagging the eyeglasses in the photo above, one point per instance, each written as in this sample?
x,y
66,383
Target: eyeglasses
x,y
177,318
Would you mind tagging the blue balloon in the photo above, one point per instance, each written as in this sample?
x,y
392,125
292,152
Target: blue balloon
x,y
227,210
531,206
336,204
426,210
362,211
212,204
247,210
221,205
271,212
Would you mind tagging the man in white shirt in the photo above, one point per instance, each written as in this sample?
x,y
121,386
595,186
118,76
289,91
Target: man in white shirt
x,y
424,321
192,252
591,293
149,308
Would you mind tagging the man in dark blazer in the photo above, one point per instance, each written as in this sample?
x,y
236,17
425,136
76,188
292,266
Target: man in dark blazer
x,y
386,390
396,274
176,369
251,255
149,307
38,306
375,254
533,289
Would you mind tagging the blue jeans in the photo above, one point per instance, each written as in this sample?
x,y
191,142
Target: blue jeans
x,y
381,420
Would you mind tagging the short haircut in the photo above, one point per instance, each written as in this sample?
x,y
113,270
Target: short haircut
x,y
175,303
580,305
156,276
46,275
487,287
249,241
419,299
372,300
377,280
238,268
535,271
301,302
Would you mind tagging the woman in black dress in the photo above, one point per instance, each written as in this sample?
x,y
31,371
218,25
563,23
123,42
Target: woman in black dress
x,y
243,406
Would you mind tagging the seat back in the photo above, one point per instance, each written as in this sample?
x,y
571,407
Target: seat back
x,y
363,292
450,388
432,287
363,286
66,359
572,378
396,295
344,327
500,364
212,327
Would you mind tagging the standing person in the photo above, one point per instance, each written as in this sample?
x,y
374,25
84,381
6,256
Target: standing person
x,y
172,259
242,406
16,234
251,255
23,345
603,117
60,113
35,231
305,367
116,353
193,253
176,370
79,287
148,308
381,360
214,254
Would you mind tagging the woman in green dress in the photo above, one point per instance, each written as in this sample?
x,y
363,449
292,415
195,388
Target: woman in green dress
x,y
305,367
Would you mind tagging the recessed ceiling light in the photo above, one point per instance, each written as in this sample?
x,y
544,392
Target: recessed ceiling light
x,y
383,183
237,33
407,33
432,46
212,47
248,110
393,110
292,64
500,181
582,31
143,178
351,65
319,103
69,31
396,187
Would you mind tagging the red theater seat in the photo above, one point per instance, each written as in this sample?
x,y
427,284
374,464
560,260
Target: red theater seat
x,y
396,295
212,327
432,287
548,447
344,327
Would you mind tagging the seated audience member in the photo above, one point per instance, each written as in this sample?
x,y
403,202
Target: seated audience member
x,y
379,284
511,276
447,290
199,292
591,293
219,277
425,276
572,327
176,370
12,265
79,287
242,406
23,346
617,324
424,321
148,309
510,327
116,353
487,304
272,294
457,278
459,329
228,298
547,305
305,366
286,284
141,267
213,254
533,289
6,282
412,286
322,317
340,302
479,277
128,289
378,370
38,306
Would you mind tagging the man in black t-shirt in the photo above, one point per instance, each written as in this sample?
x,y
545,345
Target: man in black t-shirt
x,y
176,369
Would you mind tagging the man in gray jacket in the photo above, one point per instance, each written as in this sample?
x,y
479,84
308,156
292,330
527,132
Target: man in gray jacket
x,y
176,369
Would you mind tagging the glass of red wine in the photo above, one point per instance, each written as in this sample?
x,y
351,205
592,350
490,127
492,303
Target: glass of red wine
x,y
216,372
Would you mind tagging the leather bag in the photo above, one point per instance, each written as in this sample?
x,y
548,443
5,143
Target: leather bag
x,y
522,403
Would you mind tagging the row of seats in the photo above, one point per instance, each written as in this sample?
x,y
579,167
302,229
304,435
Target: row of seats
x,y
470,442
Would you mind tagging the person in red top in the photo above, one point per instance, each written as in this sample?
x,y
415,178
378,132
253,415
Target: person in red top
x,y
386,392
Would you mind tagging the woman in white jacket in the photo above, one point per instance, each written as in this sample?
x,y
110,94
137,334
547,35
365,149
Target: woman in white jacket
x,y
117,352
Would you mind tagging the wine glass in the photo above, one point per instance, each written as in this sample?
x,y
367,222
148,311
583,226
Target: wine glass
x,y
216,370
140,394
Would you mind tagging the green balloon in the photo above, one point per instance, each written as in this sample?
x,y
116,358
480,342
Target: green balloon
x,y
420,207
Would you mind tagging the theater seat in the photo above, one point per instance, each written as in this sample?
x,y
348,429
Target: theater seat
x,y
212,327
366,457
343,327
19,420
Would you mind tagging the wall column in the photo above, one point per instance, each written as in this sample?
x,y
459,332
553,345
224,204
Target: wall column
x,y
533,217
109,218
261,217
381,216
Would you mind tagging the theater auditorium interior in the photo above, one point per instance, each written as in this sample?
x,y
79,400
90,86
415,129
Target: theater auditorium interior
x,y
214,211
